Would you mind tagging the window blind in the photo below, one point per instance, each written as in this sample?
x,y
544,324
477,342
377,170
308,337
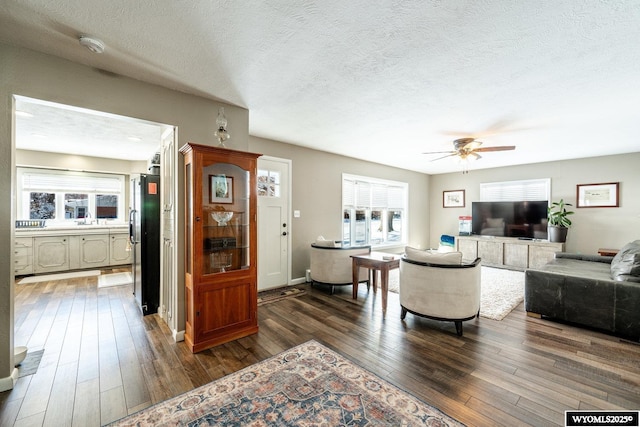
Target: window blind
x,y
375,194
506,191
34,181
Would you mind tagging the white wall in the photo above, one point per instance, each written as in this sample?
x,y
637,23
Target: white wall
x,y
592,228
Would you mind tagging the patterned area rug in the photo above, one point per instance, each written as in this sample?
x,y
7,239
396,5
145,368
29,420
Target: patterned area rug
x,y
501,290
273,295
306,385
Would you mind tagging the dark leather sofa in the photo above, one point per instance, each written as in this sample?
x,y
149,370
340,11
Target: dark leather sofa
x,y
586,290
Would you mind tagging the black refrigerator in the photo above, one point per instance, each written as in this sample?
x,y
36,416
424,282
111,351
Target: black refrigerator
x,y
144,234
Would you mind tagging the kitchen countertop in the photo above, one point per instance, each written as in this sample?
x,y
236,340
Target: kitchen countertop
x,y
66,230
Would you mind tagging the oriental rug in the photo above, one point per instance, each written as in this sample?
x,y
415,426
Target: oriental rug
x,y
304,386
273,295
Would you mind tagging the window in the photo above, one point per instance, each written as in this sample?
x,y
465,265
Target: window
x,y
61,196
268,183
373,211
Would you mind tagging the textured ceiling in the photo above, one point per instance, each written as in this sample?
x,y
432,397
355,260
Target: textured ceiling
x,y
379,80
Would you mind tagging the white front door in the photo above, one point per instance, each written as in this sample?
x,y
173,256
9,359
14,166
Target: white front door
x,y
273,222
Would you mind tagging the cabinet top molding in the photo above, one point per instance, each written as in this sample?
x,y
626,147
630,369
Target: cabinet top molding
x,y
190,146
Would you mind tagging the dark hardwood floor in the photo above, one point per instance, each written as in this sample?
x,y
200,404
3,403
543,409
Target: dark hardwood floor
x,y
103,361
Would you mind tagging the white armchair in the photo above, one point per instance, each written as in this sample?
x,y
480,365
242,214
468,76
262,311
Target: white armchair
x,y
333,265
441,289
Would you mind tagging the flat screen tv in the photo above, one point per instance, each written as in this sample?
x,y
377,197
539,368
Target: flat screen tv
x,y
525,219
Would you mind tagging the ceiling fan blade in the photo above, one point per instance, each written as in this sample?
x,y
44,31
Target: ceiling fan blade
x,y
440,152
444,157
475,155
500,148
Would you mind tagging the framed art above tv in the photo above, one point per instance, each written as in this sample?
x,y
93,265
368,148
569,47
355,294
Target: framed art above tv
x,y
598,195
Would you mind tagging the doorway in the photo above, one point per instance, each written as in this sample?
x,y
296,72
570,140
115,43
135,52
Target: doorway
x,y
274,222
50,135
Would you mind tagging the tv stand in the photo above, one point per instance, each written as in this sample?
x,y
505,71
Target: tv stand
x,y
508,252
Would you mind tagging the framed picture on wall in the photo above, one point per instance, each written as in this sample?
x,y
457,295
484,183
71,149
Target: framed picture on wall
x,y
453,199
598,195
220,189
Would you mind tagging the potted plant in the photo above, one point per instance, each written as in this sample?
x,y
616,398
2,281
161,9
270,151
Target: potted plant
x,y
559,222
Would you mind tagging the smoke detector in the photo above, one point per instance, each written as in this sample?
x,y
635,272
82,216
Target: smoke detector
x,y
93,44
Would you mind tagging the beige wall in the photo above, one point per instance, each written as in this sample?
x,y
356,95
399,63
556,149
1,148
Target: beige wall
x,y
317,194
41,159
592,228
36,75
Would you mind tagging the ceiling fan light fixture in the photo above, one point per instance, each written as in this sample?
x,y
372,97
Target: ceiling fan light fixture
x,y
91,43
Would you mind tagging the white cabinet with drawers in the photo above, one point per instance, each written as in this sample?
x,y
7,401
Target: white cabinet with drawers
x,y
23,256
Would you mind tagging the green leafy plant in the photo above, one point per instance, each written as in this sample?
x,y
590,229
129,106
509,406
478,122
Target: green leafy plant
x,y
558,214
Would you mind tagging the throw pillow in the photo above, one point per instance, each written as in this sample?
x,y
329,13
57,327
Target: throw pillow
x,y
626,264
321,241
446,258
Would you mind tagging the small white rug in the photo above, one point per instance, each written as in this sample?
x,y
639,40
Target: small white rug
x,y
501,290
115,279
59,276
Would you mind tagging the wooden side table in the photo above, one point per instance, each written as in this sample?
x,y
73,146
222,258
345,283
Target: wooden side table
x,y
607,252
375,261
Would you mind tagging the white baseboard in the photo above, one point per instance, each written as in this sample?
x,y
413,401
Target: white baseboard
x,y
178,335
7,383
299,281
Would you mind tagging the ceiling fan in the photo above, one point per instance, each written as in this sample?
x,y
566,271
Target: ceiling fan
x,y
468,149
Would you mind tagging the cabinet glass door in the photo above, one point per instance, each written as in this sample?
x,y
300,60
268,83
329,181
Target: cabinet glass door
x,y
225,222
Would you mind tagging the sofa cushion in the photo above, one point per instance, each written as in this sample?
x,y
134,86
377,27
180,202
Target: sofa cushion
x,y
433,257
626,264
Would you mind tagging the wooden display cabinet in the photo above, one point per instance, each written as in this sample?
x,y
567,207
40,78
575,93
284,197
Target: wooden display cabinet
x,y
220,245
